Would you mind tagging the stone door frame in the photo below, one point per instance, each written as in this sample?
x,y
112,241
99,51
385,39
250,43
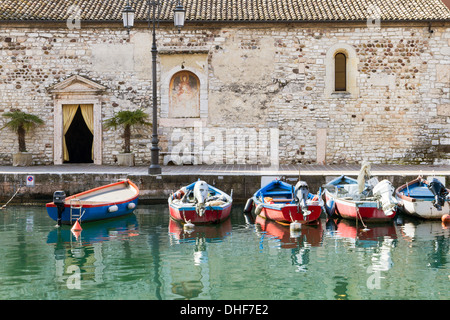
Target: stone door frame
x,y
76,90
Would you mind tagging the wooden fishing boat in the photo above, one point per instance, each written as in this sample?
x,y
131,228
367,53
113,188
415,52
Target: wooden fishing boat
x,y
109,201
284,203
374,203
199,203
420,198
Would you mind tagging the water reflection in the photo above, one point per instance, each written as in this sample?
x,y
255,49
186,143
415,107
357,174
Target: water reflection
x,y
201,233
81,253
106,230
191,280
309,235
437,234
147,256
359,235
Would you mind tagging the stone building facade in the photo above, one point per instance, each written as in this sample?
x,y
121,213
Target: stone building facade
x,y
237,90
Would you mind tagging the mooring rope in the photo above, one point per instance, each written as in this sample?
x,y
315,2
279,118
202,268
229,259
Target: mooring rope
x,y
359,215
4,206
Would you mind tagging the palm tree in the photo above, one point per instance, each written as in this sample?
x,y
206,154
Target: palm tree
x,y
21,122
128,119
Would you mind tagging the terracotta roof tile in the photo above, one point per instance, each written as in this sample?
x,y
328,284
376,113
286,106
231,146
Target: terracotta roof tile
x,y
231,10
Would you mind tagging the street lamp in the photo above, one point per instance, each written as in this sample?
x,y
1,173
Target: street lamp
x,y
128,22
128,17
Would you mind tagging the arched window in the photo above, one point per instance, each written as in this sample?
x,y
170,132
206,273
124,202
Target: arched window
x,y
184,95
340,71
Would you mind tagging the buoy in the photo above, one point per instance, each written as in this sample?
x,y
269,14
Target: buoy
x,y
188,226
295,228
131,205
76,226
445,218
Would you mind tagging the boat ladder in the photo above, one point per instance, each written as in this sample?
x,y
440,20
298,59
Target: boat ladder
x,y
75,209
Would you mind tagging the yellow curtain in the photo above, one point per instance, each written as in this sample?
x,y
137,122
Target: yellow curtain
x,y
69,111
87,110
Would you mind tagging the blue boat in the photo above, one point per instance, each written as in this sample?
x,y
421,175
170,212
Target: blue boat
x,y
110,201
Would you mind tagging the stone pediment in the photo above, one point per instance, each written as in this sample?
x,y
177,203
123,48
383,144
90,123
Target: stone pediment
x,y
76,85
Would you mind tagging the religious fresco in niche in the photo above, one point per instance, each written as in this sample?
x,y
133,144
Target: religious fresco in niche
x,y
184,95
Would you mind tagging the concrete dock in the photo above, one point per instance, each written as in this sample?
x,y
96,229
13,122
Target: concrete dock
x,y
243,179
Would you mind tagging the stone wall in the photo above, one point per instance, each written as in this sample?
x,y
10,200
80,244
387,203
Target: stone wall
x,y
253,78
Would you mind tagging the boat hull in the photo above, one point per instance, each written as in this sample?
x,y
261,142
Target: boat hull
x,y
423,209
210,216
217,205
287,213
95,211
348,209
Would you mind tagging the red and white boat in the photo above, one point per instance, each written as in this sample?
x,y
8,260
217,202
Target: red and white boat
x,y
284,203
199,203
374,203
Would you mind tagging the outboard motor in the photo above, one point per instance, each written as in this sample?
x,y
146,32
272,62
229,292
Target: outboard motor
x,y
440,193
384,192
301,192
200,194
59,197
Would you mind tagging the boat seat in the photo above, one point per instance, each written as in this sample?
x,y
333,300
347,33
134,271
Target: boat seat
x,y
421,192
281,200
271,200
278,194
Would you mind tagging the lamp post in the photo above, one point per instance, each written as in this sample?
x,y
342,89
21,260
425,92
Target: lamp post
x,y
128,22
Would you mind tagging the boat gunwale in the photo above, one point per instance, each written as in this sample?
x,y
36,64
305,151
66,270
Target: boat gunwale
x,y
408,184
92,204
192,208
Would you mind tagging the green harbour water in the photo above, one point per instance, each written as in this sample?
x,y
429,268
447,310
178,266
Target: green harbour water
x,y
146,256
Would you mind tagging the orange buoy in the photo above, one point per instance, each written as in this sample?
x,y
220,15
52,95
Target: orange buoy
x,y
76,226
445,218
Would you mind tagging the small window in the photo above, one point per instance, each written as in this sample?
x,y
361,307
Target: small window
x,y
340,70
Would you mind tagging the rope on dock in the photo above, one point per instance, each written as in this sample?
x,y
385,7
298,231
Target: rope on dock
x,y
4,206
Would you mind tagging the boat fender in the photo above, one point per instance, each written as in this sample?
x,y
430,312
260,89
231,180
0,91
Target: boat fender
x,y
131,205
248,206
445,218
258,209
113,208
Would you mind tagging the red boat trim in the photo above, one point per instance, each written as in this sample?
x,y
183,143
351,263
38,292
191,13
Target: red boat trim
x,y
51,204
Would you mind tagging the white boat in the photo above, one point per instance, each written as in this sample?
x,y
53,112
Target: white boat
x,y
427,200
